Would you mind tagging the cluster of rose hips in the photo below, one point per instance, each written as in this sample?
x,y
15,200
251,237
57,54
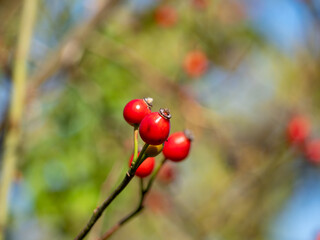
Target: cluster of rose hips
x,y
154,129
298,132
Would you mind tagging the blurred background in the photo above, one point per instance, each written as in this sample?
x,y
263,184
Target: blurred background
x,y
243,75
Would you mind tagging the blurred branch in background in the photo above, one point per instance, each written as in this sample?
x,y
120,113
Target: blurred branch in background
x,y
16,108
71,46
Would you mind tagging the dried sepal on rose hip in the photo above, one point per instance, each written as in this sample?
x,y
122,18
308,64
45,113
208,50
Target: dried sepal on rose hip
x,y
136,110
155,127
177,147
146,167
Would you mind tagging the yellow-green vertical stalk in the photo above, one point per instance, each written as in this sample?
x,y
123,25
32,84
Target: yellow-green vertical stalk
x,y
16,107
135,144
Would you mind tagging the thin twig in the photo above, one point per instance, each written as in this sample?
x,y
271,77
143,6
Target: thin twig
x,y
16,108
110,181
99,210
140,206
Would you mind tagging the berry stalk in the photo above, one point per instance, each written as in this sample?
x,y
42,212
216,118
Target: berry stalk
x,y
140,206
135,143
100,209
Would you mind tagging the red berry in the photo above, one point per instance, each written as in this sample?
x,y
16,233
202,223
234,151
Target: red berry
x,y
146,167
136,110
312,151
178,146
318,236
167,173
298,129
195,63
155,128
166,16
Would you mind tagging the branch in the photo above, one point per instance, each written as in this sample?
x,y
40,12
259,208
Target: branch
x,y
69,47
140,206
16,108
99,210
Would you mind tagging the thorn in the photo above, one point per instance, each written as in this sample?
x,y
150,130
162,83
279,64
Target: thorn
x,y
128,174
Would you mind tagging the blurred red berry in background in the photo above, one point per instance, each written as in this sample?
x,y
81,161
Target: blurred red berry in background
x,y
146,168
195,63
167,173
312,151
157,202
166,16
200,4
298,129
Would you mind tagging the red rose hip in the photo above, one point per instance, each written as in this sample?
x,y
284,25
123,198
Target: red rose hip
x,y
178,146
155,127
146,167
136,110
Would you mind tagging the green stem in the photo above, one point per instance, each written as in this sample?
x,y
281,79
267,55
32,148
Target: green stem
x,y
139,208
135,143
16,107
141,185
99,210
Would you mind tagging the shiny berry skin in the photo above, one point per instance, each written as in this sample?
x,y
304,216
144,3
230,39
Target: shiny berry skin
x,y
155,128
177,147
298,129
195,63
166,16
136,110
312,151
146,167
153,150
